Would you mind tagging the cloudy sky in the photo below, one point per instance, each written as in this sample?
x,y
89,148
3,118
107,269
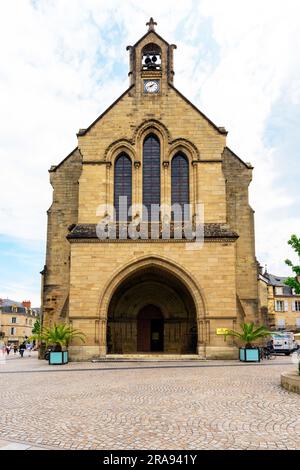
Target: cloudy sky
x,y
63,62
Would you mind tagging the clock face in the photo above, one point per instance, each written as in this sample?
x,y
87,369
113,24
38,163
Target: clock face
x,y
151,86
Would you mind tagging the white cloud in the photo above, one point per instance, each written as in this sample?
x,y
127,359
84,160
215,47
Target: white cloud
x,y
258,65
234,59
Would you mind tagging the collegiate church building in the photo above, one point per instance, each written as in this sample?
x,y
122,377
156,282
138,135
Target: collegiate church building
x,y
150,295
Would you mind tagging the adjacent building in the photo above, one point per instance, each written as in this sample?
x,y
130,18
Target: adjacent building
x,y
279,304
16,320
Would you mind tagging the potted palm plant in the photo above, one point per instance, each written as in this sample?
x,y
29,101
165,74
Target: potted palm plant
x,y
249,334
59,337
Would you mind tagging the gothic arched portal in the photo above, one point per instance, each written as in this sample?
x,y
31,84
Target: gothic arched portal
x,y
152,311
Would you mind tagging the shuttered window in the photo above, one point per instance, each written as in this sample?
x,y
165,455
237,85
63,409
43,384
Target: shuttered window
x,y
296,306
279,306
180,183
151,174
122,186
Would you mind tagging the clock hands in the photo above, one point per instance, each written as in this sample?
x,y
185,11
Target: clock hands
x,y
151,86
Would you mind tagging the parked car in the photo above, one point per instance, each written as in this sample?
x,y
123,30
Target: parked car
x,y
284,342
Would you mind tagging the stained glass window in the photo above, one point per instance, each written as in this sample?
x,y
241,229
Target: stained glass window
x,y
122,186
180,183
151,174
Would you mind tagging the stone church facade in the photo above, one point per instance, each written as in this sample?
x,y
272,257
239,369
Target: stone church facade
x,y
150,295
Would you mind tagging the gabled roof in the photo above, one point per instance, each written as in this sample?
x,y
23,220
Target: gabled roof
x,y
247,165
150,32
84,131
54,167
221,130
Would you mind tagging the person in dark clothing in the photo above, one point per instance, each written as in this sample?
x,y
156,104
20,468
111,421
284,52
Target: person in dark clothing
x,y
22,348
15,348
270,345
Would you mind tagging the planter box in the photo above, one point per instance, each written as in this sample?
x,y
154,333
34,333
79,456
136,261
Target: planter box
x,y
57,358
249,355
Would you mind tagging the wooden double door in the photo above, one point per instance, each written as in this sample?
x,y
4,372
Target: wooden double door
x,y
150,329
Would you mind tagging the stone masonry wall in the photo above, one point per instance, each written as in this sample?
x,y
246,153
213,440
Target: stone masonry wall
x,y
240,218
62,213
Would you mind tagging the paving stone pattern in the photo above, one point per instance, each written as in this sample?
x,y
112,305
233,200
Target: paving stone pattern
x,y
166,405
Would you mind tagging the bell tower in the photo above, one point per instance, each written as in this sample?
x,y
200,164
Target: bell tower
x,y
151,63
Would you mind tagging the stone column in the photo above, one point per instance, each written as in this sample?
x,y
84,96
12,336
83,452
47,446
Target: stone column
x,y
102,336
136,184
203,336
108,184
195,187
165,187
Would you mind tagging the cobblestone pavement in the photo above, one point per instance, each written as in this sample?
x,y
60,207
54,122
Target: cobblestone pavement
x,y
153,405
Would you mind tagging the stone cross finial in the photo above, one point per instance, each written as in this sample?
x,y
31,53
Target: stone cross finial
x,y
151,23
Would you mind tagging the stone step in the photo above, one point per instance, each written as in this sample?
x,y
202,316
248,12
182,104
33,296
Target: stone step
x,y
148,357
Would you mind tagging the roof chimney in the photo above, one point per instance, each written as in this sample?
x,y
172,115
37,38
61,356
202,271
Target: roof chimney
x,y
26,303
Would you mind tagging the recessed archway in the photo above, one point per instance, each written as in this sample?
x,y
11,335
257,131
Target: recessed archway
x,y
152,311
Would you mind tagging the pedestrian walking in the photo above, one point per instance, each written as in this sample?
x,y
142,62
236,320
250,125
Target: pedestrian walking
x,y
22,348
15,349
2,352
29,348
7,350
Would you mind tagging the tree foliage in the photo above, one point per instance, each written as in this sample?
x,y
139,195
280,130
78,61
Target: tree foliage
x,y
37,328
36,332
293,282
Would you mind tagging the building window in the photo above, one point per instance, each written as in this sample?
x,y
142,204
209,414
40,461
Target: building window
x,y
298,322
13,331
281,323
279,290
151,177
297,306
122,187
180,185
14,320
281,306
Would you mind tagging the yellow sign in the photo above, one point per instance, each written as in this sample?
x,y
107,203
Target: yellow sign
x,y
222,331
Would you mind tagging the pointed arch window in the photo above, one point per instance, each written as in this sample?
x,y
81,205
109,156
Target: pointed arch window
x,y
122,186
180,183
151,173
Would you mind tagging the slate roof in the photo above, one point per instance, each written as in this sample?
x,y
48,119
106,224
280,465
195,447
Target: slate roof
x,y
278,281
5,305
275,280
88,231
10,303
